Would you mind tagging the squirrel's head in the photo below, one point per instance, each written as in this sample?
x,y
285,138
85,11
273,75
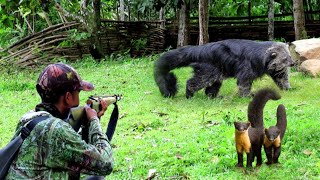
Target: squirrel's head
x,y
241,126
272,133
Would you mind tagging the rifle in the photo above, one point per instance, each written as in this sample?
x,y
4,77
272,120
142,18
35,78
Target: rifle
x,y
78,118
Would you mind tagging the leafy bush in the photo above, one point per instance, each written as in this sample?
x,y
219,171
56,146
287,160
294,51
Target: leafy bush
x,y
8,36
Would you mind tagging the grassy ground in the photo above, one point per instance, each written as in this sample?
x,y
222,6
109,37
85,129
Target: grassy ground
x,y
179,138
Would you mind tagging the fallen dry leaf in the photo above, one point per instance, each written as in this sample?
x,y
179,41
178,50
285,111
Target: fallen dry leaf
x,y
122,115
307,152
148,92
211,123
179,156
160,113
138,137
151,174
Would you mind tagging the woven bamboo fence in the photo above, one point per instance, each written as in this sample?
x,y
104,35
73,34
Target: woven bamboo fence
x,y
136,38
40,47
139,37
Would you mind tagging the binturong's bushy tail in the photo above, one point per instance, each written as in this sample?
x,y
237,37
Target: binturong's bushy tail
x,y
176,58
166,80
256,106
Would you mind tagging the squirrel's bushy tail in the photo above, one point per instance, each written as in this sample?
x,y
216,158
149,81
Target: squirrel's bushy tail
x,y
256,106
281,120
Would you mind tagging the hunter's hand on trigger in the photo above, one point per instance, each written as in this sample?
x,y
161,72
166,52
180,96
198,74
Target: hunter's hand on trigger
x,y
104,107
91,113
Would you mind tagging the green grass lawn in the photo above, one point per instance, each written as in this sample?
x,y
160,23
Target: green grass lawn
x,y
181,138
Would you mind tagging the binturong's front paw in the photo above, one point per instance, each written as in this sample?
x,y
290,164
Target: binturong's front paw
x,y
286,87
244,91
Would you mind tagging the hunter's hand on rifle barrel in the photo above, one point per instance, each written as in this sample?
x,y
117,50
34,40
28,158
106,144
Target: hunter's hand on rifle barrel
x,y
104,107
91,113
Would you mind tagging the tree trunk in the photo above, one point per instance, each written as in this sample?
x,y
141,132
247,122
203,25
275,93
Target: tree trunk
x,y
203,21
183,32
96,49
129,12
97,19
271,20
161,17
299,21
249,11
121,4
308,6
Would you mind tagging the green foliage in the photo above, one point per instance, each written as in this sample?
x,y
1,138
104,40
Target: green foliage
x,y
16,14
71,6
74,37
140,43
177,137
235,8
109,8
8,36
6,20
125,54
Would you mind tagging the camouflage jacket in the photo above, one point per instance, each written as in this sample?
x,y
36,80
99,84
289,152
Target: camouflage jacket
x,y
53,150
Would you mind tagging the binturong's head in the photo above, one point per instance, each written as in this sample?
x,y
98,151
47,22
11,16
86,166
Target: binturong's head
x,y
61,83
278,59
272,133
241,126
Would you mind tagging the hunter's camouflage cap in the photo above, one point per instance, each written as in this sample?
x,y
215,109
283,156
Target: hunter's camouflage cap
x,y
60,77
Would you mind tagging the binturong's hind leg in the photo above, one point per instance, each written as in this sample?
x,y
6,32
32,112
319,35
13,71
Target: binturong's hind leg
x,y
204,76
244,87
194,84
213,90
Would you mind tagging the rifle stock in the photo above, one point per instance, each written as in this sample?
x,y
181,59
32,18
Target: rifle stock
x,y
78,117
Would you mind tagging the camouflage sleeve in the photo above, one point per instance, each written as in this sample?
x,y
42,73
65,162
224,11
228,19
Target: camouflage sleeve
x,y
17,131
71,152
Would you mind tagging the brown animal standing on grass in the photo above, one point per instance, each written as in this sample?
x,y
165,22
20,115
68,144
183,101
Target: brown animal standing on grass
x,y
274,135
249,136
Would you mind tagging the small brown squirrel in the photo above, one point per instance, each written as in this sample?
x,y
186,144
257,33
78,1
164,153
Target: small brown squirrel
x,y
242,139
274,135
249,136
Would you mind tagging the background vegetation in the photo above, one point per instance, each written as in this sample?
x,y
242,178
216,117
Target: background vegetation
x,y
180,138
20,18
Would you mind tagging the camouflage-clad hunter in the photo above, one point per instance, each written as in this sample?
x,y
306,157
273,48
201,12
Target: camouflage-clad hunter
x,y
54,150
